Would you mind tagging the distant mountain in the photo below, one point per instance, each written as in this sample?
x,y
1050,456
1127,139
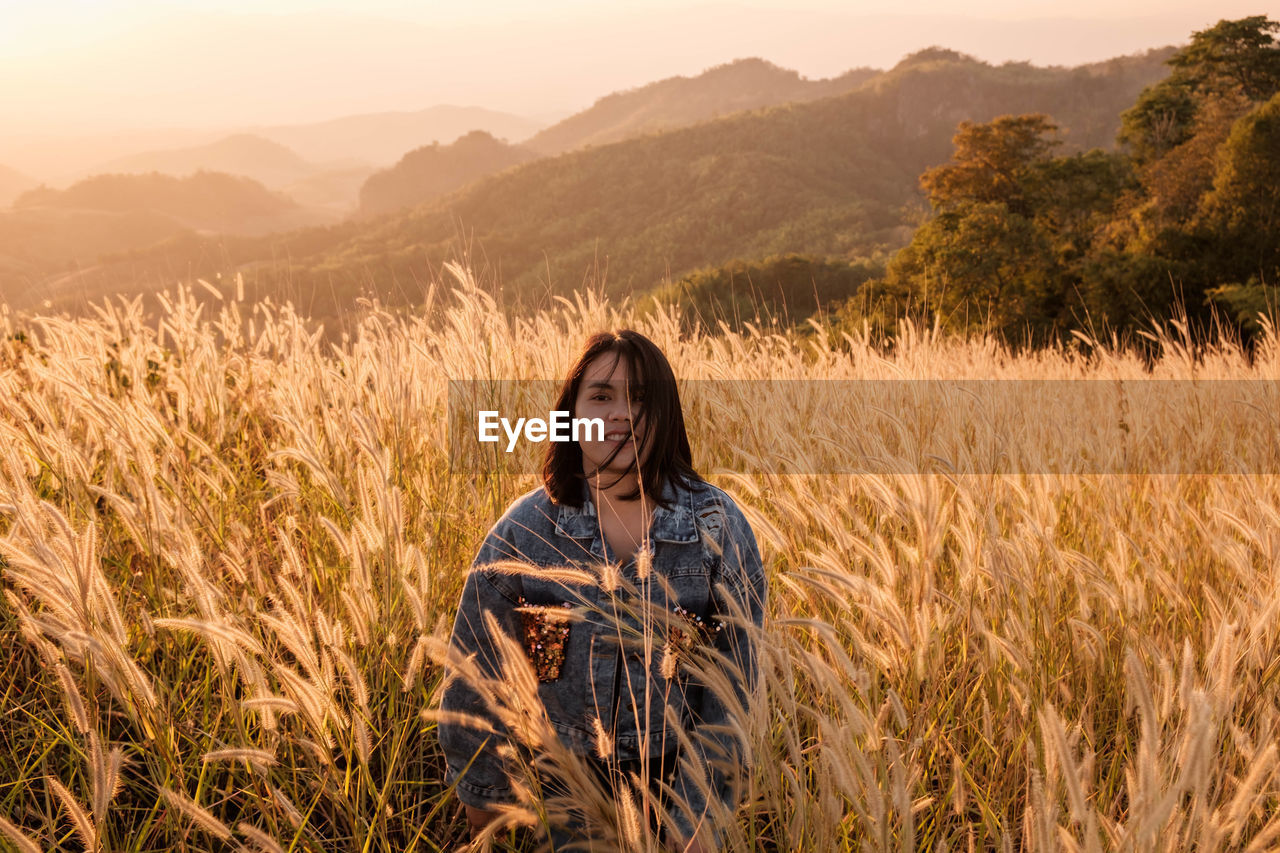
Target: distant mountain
x,y
427,173
242,154
829,178
205,201
335,191
937,88
13,182
745,84
44,245
56,233
381,139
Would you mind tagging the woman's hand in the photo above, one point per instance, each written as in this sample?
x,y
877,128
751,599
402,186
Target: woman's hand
x,y
478,819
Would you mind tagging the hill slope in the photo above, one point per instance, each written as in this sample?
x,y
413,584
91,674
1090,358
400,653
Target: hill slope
x,y
205,200
829,177
242,154
745,84
427,173
56,232
383,138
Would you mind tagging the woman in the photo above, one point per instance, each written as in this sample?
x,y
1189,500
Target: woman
x,y
663,559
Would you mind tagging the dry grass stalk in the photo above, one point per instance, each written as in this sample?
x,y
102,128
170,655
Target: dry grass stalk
x,y
952,659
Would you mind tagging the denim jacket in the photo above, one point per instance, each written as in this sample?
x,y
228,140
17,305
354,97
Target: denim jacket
x,y
703,547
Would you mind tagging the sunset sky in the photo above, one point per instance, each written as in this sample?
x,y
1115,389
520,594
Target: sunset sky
x,y
73,67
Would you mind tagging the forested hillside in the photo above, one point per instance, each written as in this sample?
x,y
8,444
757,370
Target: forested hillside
x,y
1185,216
746,84
835,177
426,173
779,290
63,232
208,200
380,139
241,154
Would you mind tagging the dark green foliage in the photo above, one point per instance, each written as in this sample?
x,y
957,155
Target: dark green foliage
x,y
1205,171
991,163
777,290
1242,210
1073,196
1013,226
1237,55
1246,302
1232,59
1030,245
982,265
1161,119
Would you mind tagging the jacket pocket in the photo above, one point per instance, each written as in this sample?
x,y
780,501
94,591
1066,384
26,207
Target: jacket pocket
x,y
544,632
688,632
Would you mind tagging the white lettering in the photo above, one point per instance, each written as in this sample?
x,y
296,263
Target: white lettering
x,y
588,424
512,434
559,427
559,421
488,426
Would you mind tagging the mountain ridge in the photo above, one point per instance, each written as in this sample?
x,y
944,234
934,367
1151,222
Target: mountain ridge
x,y
832,177
427,173
743,84
244,154
382,138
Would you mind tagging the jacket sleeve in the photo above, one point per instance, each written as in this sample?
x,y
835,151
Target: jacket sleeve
x,y
720,749
471,753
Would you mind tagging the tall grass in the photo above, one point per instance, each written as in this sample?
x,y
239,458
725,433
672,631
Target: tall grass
x,y
231,555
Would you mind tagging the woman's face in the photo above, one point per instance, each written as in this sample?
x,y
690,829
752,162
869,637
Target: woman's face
x,y
606,393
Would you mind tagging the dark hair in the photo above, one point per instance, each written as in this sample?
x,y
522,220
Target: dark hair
x,y
669,458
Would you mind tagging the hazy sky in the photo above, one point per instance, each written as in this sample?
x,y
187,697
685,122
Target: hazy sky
x,y
77,66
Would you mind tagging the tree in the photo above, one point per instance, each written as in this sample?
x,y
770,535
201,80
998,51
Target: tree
x,y
1242,211
1033,241
981,265
985,260
1074,196
1233,60
990,162
1233,55
1160,120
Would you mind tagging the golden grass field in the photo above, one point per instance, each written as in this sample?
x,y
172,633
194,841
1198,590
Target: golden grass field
x,y
232,553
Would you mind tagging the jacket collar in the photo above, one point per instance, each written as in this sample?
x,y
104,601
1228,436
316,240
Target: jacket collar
x,y
669,525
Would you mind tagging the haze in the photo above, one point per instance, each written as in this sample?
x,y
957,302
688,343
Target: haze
x,y
71,70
